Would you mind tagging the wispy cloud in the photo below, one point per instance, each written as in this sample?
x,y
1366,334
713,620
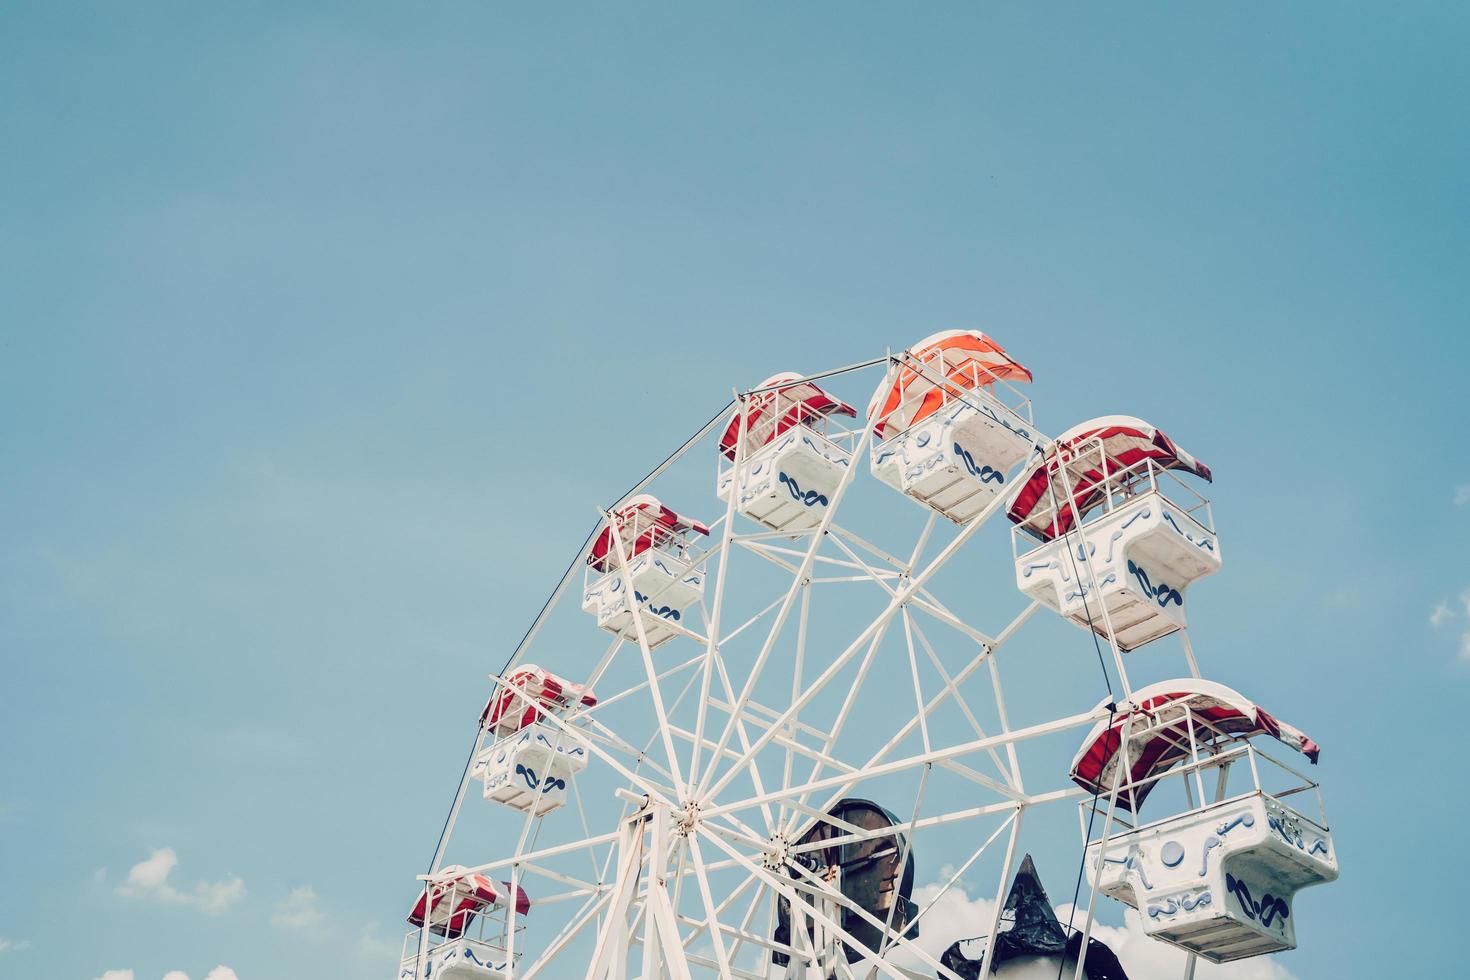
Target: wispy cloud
x,y
116,975
1462,495
1443,612
149,879
13,945
298,910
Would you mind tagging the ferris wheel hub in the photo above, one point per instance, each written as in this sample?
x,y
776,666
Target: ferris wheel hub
x,y
777,853
686,820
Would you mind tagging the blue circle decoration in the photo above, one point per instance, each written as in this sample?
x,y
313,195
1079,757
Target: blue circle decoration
x,y
1172,854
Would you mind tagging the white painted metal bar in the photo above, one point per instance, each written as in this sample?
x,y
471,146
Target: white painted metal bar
x,y
705,789
736,485
880,622
934,702
959,872
711,915
1124,766
784,888
988,960
655,694
948,752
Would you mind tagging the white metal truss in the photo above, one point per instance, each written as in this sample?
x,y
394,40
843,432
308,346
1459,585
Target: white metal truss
x,y
714,754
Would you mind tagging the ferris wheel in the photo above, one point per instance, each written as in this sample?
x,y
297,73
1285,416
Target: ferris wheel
x,y
793,738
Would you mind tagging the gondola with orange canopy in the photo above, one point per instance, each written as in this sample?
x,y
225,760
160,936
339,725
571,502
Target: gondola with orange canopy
x,y
948,424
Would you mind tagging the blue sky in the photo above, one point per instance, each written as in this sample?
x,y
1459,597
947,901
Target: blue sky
x,y
286,291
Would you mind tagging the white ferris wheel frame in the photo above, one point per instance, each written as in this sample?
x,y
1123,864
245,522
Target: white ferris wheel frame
x,y
671,812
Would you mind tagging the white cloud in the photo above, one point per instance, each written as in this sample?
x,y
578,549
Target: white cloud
x,y
298,910
218,973
955,915
149,879
116,975
13,945
1462,495
1443,612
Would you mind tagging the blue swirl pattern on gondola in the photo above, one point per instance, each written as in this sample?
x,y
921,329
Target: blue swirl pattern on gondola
x,y
1203,898
1269,909
1018,431
987,474
1081,592
808,497
1133,861
1204,543
558,747
1204,864
533,781
1186,903
1163,593
667,612
1244,819
1289,834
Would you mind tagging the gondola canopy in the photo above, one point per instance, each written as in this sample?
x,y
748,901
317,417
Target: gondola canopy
x,y
1163,718
642,523
942,365
1083,458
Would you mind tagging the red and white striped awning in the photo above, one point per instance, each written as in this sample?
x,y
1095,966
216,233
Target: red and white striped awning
x,y
530,692
1162,713
453,901
642,523
944,364
1124,441
770,413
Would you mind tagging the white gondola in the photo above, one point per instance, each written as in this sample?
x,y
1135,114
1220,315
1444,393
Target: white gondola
x,y
1144,535
663,574
468,922
530,761
1218,879
948,428
791,459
